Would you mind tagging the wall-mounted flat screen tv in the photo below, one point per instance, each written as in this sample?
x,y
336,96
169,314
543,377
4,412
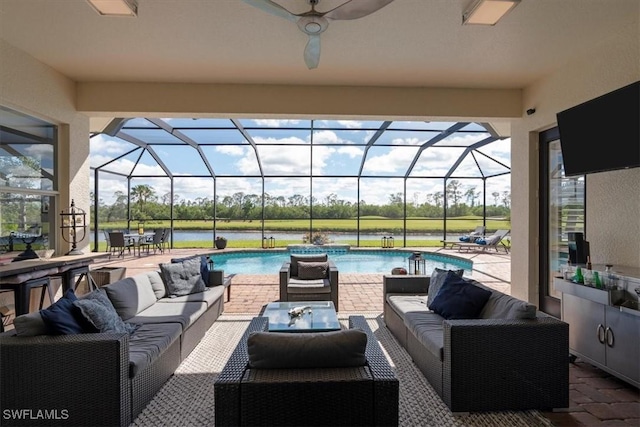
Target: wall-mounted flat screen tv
x,y
602,134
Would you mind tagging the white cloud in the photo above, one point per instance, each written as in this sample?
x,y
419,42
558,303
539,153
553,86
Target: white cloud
x,y
351,151
104,144
232,150
351,124
273,123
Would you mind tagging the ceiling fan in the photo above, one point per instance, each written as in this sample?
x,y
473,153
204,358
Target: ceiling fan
x,y
314,23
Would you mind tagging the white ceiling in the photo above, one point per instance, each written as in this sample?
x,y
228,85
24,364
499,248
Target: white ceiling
x,y
407,43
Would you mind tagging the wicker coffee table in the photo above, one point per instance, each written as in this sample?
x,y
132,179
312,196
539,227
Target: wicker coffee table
x,y
320,316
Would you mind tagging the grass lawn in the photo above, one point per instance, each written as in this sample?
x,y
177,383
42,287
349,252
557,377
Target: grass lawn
x,y
367,225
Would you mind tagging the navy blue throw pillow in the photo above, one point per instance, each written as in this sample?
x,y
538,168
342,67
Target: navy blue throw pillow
x,y
204,265
60,317
459,299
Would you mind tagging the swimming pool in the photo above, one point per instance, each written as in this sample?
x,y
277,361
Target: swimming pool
x,y
347,261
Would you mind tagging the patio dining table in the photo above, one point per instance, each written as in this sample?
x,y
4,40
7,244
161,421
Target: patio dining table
x,y
138,238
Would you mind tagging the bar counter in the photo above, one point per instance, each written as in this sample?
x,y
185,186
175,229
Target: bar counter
x,y
15,275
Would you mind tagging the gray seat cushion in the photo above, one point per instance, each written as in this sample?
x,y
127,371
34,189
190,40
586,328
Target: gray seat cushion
x,y
305,258
131,295
209,296
312,270
312,286
149,342
30,325
427,327
503,306
403,303
157,284
276,350
183,278
185,313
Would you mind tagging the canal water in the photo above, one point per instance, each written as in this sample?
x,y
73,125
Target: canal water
x,y
204,235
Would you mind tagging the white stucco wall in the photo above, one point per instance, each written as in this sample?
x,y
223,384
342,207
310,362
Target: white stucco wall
x,y
613,198
28,86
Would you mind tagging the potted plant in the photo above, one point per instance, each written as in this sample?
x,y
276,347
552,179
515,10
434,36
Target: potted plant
x,y
221,242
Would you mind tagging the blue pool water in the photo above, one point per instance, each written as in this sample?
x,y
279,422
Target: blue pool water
x,y
361,261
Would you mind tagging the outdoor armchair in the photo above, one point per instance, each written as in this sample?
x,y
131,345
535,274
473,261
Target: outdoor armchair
x,y
309,278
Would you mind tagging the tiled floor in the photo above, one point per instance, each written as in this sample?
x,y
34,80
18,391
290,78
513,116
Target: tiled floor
x,y
596,398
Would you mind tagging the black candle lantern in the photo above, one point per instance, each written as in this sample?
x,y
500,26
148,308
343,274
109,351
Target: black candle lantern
x,y
387,242
417,264
272,242
210,263
73,227
265,243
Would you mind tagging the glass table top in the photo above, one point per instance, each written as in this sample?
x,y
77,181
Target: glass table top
x,y
314,316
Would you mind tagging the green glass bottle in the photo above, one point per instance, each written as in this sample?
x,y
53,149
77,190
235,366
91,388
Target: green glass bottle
x,y
578,278
596,280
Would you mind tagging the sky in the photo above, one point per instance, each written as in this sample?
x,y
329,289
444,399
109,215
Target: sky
x,y
284,148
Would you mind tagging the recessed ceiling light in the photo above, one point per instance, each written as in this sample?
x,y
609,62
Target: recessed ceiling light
x,y
487,12
115,7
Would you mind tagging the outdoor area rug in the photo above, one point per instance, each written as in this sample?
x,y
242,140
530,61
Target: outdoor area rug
x,y
187,399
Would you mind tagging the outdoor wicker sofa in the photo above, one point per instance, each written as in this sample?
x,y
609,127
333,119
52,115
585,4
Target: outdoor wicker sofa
x,y
482,364
363,395
105,379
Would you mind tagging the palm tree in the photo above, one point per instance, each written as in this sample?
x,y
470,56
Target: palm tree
x,y
141,194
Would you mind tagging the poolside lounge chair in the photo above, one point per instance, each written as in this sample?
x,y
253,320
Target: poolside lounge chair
x,y
490,242
468,238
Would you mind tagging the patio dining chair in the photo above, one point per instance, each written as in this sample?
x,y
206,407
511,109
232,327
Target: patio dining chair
x,y
107,239
164,243
119,243
154,242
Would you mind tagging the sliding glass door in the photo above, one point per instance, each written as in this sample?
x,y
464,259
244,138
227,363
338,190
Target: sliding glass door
x,y
562,210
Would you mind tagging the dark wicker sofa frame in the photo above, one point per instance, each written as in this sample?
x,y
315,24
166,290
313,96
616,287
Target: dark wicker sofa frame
x,y
83,380
488,364
366,395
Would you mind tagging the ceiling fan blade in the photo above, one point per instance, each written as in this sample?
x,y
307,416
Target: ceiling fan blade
x,y
354,9
272,8
312,51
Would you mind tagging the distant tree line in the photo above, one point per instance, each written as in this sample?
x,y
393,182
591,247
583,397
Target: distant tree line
x,y
146,205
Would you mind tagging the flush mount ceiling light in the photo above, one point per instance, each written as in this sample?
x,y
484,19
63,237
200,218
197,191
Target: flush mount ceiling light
x,y
115,7
487,12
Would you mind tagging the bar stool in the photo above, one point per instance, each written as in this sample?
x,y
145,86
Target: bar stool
x,y
71,278
6,312
23,292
